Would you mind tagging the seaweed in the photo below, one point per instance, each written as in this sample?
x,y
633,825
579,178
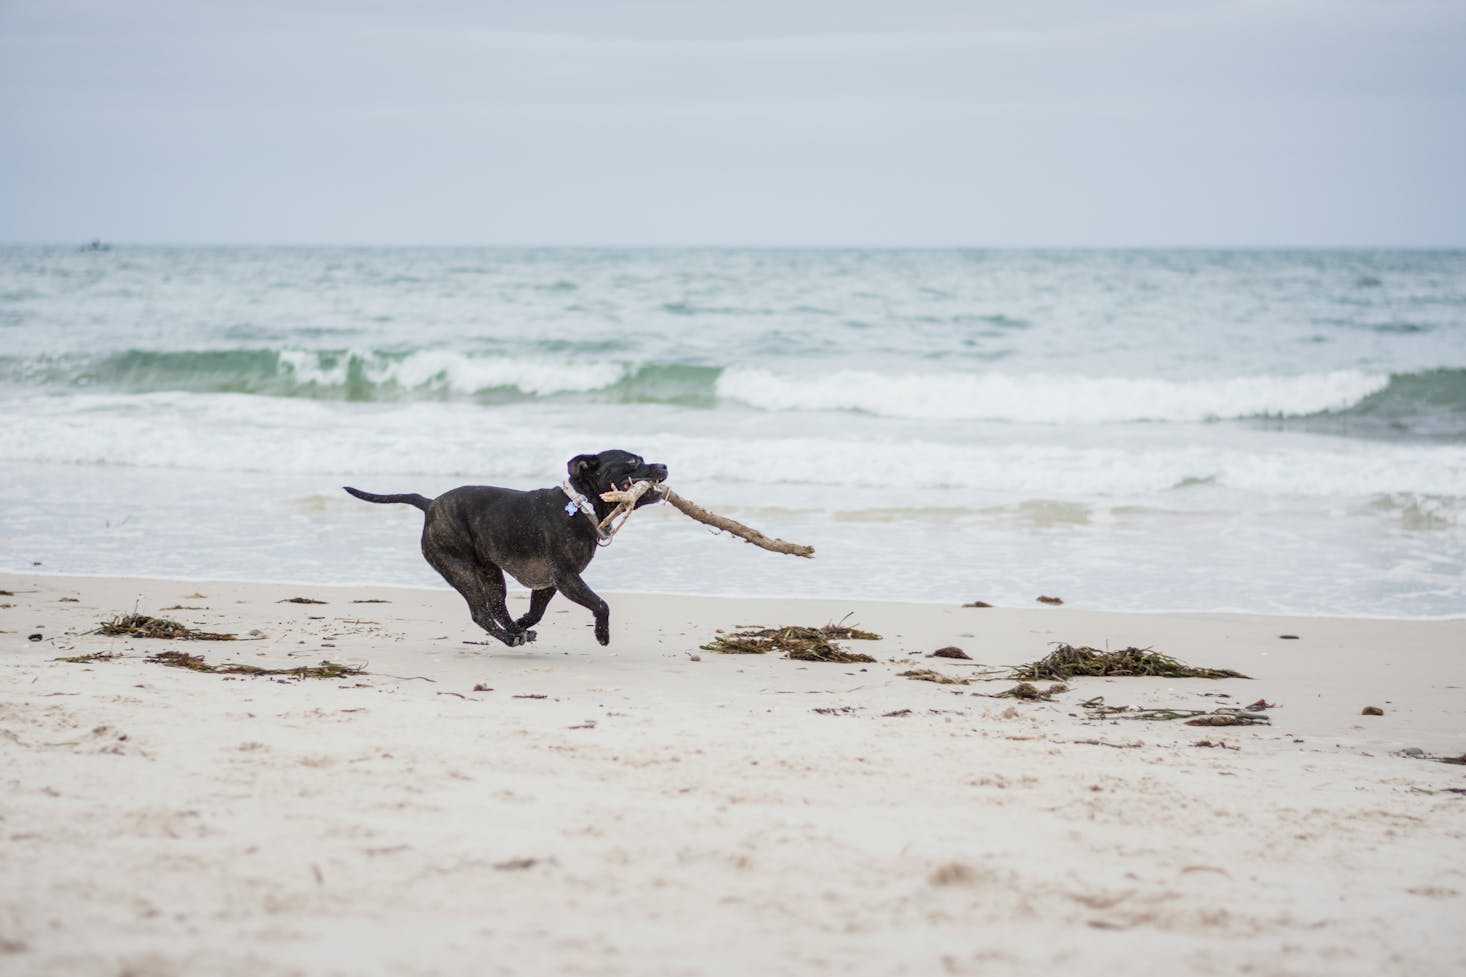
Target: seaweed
x,y
841,631
1225,716
143,626
300,600
1032,693
180,659
798,643
1229,719
96,656
927,675
816,652
1417,753
1067,661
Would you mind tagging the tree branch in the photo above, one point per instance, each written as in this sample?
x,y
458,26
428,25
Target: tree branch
x,y
694,511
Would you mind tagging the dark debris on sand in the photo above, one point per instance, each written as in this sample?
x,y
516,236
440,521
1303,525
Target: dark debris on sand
x,y
798,643
326,669
143,626
1067,661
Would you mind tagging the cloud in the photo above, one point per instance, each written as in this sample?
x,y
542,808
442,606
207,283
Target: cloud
x,y
495,53
928,122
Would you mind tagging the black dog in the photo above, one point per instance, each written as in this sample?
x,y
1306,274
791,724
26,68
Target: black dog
x,y
544,538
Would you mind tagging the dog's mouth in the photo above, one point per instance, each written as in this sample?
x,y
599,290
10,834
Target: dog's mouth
x,y
656,476
626,485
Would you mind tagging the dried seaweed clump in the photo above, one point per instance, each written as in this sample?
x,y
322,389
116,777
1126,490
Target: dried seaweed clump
x,y
326,669
1229,719
1253,715
143,626
1032,693
799,643
928,675
844,633
1067,661
96,656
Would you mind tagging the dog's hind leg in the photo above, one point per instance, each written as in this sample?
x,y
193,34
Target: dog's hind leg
x,y
497,594
483,589
576,589
538,601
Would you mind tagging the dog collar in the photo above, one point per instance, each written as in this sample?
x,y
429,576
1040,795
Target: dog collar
x,y
579,503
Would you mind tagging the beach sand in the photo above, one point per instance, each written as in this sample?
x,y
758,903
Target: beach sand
x,y
652,808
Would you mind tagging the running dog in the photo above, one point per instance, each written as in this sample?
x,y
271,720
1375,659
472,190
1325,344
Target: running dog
x,y
543,538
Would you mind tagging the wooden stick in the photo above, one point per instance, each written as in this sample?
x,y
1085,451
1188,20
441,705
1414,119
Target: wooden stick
x,y
628,499
694,511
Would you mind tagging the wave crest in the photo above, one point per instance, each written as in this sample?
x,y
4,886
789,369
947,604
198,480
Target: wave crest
x,y
1430,403
373,376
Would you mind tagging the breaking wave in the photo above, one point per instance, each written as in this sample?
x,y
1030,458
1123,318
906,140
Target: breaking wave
x,y
1430,403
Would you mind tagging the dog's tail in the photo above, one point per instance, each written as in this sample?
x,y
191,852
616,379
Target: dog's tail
x,y
411,498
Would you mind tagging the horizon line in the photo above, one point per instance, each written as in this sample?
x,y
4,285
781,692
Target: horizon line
x,y
88,243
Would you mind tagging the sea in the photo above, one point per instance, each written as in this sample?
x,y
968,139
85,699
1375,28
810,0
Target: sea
x,y
1267,431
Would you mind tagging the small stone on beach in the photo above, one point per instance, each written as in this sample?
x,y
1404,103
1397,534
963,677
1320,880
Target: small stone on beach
x,y
1372,711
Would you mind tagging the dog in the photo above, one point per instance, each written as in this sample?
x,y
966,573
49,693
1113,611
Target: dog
x,y
544,538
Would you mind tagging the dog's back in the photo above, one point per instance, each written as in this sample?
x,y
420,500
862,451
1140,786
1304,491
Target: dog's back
x,y
527,533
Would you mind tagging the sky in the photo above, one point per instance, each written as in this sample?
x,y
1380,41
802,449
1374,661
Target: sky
x,y
941,123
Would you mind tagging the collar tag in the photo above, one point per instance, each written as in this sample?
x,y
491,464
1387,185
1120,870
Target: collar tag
x,y
577,503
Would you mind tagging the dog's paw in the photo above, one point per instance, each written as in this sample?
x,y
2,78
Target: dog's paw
x,y
527,637
603,635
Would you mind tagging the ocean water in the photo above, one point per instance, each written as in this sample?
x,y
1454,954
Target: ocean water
x,y
1267,431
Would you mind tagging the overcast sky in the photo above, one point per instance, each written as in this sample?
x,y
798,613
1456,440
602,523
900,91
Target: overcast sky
x,y
761,122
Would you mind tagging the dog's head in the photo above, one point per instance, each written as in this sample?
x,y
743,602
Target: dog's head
x,y
593,474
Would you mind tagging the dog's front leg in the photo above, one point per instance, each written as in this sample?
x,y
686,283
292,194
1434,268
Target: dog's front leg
x,y
575,589
538,601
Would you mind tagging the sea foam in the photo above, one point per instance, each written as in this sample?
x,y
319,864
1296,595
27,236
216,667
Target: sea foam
x,y
1050,398
528,443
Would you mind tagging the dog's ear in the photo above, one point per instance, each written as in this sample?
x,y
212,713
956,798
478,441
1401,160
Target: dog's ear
x,y
581,464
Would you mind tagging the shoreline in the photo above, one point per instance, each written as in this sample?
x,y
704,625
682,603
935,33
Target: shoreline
x,y
517,591
655,807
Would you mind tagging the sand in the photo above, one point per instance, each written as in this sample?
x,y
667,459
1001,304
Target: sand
x,y
652,808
